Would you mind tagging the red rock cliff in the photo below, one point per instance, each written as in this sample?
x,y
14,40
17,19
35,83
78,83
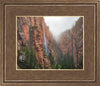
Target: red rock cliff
x,y
72,41
31,30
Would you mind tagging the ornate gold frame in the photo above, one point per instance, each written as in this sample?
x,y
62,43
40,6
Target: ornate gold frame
x,y
90,82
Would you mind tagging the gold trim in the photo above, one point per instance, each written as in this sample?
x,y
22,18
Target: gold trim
x,y
58,2
50,69
48,80
94,40
83,46
49,5
5,43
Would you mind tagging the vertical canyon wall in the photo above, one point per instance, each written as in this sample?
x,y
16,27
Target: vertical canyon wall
x,y
71,41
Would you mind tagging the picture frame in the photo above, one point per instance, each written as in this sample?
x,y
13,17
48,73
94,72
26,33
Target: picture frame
x,y
9,76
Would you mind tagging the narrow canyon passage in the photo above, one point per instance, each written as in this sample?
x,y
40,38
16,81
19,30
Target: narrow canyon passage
x,y
38,48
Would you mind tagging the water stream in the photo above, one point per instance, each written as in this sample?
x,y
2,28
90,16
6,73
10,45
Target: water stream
x,y
45,45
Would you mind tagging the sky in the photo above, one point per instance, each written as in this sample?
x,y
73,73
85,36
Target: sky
x,y
57,25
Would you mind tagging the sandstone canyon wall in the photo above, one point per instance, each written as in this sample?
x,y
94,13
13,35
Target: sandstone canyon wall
x,y
71,41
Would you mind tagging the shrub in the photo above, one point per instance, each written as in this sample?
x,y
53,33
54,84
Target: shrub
x,y
30,61
80,65
23,49
58,66
34,27
65,62
51,58
37,35
53,66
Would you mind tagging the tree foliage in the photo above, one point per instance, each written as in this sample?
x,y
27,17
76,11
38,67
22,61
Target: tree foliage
x,y
30,61
52,62
65,62
80,65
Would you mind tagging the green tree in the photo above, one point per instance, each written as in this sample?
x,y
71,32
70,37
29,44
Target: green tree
x,y
80,66
65,62
33,60
30,61
27,55
58,66
51,58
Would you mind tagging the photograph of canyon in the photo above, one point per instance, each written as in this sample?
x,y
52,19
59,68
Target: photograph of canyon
x,y
49,42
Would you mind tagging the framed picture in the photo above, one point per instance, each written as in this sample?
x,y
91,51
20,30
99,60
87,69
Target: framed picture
x,y
49,43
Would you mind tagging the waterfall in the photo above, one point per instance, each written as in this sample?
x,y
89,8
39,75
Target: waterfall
x,y
45,45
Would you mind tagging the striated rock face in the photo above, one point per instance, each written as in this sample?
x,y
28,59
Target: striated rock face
x,y
33,31
71,41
